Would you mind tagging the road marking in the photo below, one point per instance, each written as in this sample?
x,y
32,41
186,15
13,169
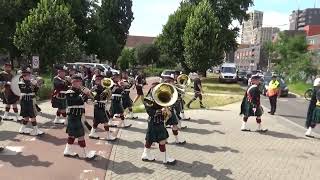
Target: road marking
x,y
283,100
12,150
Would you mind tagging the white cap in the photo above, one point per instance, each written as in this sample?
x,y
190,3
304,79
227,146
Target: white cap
x,y
316,82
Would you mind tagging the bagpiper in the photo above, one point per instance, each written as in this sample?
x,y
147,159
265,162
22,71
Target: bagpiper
x,y
76,97
58,100
156,131
251,105
9,98
28,111
116,108
173,121
313,116
101,95
126,99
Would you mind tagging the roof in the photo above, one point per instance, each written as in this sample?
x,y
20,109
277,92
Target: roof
x,y
135,41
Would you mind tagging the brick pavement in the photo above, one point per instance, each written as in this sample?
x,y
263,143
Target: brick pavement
x,y
217,149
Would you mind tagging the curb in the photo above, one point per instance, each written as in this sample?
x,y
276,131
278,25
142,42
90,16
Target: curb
x,y
297,95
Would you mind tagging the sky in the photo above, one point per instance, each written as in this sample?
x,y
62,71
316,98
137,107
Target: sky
x,y
151,15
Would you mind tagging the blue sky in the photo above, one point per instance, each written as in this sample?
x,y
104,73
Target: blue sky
x,y
151,15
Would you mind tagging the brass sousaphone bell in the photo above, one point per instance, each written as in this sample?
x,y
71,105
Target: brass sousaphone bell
x,y
164,94
183,80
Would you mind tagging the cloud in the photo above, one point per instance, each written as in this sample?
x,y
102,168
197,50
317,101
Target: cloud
x,y
276,19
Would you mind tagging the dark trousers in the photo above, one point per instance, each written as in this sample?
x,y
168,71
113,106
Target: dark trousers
x,y
273,103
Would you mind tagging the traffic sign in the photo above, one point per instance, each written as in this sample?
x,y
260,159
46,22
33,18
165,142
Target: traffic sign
x,y
35,62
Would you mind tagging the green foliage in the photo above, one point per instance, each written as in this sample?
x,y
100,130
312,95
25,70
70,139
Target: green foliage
x,y
202,49
153,71
12,12
49,32
292,58
113,23
147,54
126,59
170,41
299,87
166,62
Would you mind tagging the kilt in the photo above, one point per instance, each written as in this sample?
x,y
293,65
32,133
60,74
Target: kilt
x,y
173,120
75,127
28,109
126,101
316,115
100,115
156,132
10,98
139,90
116,107
248,110
59,103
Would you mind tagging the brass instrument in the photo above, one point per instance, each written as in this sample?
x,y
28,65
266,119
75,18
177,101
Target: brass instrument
x,y
106,83
183,80
164,95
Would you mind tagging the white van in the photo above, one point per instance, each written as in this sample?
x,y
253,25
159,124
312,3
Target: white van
x,y
105,67
228,73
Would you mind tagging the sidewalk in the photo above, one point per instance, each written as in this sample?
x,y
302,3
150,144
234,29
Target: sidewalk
x,y
217,149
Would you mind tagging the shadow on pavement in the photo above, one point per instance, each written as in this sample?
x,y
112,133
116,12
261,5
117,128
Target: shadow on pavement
x,y
8,135
198,169
46,115
281,135
201,131
135,129
207,148
124,167
51,125
292,116
204,121
48,138
20,160
129,144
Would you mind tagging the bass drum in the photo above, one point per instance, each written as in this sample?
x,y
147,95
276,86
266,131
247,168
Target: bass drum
x,y
15,85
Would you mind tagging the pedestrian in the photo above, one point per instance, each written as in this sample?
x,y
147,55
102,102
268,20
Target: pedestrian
x,y
28,111
139,87
251,105
126,99
109,73
100,115
88,77
198,91
313,116
156,132
76,97
96,73
273,93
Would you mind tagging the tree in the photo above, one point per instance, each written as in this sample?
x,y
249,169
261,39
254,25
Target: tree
x,y
202,48
48,32
291,57
12,12
114,21
170,41
147,54
126,59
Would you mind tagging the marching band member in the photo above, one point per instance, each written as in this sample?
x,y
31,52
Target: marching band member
x,y
76,98
116,108
9,98
174,120
156,131
140,82
27,103
126,99
1,147
251,105
100,114
60,85
198,91
313,116
179,105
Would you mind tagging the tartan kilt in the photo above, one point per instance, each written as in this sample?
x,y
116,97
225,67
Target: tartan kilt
x,y
116,107
10,98
100,115
316,115
156,132
248,110
59,103
173,120
75,127
127,101
28,109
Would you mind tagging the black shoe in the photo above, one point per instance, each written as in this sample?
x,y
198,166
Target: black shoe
x,y
188,106
202,107
269,112
309,136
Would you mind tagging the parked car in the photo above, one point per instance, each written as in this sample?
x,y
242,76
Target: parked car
x,y
167,73
103,67
283,86
228,73
241,75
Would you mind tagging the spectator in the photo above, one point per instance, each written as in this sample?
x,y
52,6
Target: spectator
x,y
109,73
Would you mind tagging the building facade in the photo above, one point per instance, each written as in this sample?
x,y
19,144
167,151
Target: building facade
x,y
255,21
248,58
299,19
264,34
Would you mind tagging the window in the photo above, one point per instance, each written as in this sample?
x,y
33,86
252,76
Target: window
x,y
311,41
